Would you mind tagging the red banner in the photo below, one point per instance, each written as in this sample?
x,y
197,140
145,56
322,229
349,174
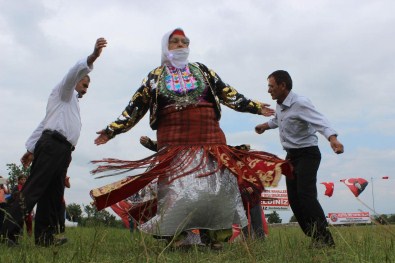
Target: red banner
x,y
275,199
349,218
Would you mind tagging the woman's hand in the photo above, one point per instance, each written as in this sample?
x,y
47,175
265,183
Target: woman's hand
x,y
266,111
102,138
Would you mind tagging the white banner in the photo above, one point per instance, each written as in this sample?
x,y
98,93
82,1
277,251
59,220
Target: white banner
x,y
349,218
275,199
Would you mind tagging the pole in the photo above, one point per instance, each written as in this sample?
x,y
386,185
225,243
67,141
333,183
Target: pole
x,y
374,210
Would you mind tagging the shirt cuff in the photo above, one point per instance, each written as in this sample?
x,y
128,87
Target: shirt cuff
x,y
271,124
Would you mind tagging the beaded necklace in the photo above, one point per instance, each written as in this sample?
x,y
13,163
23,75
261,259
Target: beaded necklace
x,y
179,80
182,86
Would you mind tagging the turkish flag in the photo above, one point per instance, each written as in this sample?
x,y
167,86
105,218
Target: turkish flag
x,y
121,209
330,187
356,185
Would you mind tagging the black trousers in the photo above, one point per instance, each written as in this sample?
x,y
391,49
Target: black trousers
x,y
302,193
62,218
44,188
2,213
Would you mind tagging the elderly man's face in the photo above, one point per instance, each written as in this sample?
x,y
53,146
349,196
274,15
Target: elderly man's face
x,y
82,87
178,41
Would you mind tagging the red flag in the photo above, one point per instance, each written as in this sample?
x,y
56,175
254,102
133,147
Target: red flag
x,y
356,185
265,225
236,230
121,209
329,188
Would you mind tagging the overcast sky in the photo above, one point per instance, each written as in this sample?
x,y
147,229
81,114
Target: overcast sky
x,y
340,54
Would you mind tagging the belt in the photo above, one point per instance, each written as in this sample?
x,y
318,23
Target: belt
x,y
60,137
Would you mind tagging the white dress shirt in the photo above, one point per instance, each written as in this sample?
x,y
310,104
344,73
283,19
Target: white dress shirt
x,y
63,110
298,121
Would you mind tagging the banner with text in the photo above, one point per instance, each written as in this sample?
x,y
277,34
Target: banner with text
x,y
275,199
349,218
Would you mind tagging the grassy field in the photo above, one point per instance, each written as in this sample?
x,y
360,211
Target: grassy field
x,y
374,243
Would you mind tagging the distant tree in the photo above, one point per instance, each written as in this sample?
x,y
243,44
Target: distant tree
x,y
391,218
74,212
382,219
90,211
95,217
14,171
274,218
293,219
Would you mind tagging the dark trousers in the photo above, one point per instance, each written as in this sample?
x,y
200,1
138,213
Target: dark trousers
x,y
29,224
302,193
2,213
62,219
256,226
44,187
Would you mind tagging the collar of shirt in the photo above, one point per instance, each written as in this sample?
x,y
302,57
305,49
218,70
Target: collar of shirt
x,y
286,104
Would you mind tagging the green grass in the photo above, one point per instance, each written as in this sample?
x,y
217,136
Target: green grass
x,y
373,243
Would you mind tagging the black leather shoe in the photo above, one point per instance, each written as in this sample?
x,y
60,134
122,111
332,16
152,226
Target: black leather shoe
x,y
60,241
318,244
216,246
54,242
9,242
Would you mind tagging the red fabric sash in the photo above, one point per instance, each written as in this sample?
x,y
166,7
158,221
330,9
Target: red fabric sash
x,y
259,168
189,131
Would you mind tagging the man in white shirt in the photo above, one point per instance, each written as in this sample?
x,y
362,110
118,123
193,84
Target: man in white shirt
x,y
298,121
51,145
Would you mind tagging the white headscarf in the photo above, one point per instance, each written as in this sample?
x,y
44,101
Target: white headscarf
x,y
177,57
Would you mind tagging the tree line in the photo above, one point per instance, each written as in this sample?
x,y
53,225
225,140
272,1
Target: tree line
x,y
87,215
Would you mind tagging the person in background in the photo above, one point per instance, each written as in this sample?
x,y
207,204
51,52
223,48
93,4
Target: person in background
x,y
17,188
3,202
251,197
62,211
15,196
298,121
49,151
